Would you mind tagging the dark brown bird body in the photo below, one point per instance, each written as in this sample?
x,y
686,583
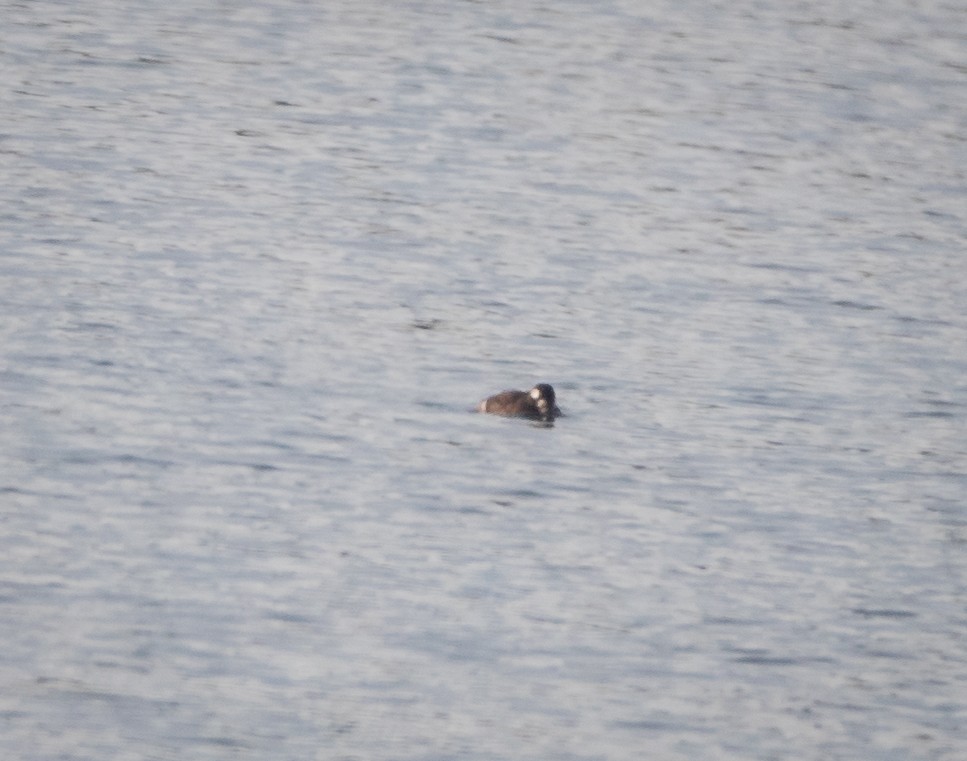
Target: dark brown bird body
x,y
537,404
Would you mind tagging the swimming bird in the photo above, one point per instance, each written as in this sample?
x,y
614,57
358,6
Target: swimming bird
x,y
537,404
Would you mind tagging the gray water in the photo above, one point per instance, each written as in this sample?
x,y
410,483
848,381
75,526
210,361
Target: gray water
x,y
259,261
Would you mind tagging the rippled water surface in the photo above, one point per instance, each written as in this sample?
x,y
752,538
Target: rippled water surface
x,y
259,261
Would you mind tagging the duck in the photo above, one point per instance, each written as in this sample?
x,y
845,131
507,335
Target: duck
x,y
537,404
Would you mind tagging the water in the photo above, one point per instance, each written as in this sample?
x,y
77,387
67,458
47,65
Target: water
x,y
258,262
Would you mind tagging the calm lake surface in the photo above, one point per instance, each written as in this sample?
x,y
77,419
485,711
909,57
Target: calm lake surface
x,y
259,261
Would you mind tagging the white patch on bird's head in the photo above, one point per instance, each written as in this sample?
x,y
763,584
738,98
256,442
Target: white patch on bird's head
x,y
535,393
